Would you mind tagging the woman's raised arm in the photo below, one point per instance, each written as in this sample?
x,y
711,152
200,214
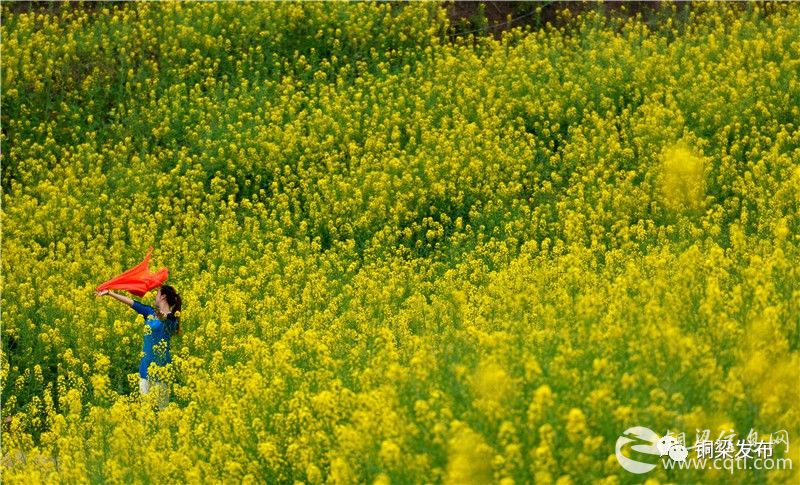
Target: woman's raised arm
x,y
123,299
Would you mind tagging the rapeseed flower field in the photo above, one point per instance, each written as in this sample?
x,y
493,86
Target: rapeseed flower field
x,y
405,257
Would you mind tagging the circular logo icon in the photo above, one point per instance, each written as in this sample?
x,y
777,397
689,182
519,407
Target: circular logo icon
x,y
665,443
644,442
678,452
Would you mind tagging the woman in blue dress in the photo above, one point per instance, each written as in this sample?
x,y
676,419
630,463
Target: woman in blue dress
x,y
163,322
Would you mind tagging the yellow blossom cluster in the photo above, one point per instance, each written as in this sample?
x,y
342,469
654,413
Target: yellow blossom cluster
x,y
403,257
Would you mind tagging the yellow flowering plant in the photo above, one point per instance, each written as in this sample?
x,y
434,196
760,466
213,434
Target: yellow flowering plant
x,y
413,257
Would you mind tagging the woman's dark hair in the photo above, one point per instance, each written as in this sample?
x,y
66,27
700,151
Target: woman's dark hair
x,y
173,317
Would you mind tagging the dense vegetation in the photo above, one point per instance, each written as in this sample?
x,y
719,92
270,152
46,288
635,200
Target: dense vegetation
x,y
403,257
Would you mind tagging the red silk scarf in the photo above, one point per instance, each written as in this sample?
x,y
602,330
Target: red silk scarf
x,y
137,280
